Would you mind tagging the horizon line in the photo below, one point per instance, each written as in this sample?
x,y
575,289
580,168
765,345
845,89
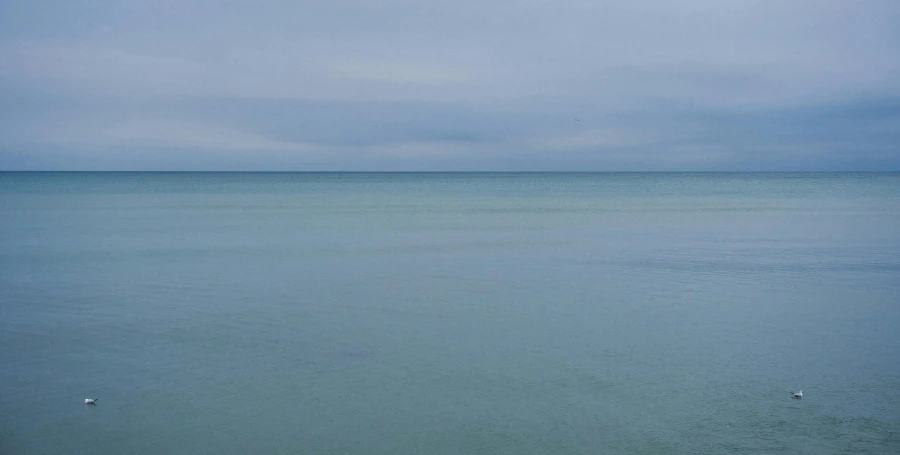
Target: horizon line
x,y
41,171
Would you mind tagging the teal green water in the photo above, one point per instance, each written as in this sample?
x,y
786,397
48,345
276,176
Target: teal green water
x,y
449,313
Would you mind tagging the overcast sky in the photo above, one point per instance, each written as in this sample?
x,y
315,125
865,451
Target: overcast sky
x,y
450,85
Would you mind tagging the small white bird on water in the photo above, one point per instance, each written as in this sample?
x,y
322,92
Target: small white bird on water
x,y
90,401
798,394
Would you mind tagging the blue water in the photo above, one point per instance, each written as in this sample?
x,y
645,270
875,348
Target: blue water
x,y
449,313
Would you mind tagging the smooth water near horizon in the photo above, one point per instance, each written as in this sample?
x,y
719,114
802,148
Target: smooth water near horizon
x,y
303,313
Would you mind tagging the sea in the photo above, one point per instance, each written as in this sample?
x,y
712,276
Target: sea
x,y
449,313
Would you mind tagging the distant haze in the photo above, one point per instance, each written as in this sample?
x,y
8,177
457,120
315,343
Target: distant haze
x,y
402,85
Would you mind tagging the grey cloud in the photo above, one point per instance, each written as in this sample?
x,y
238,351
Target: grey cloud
x,y
450,85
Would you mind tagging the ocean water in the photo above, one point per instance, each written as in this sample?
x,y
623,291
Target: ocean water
x,y
305,313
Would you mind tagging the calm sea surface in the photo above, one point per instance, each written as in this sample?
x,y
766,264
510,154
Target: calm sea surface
x,y
449,313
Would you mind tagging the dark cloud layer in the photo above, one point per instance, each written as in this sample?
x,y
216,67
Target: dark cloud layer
x,y
411,85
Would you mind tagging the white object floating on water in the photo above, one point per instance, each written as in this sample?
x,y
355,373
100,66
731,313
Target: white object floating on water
x,y
90,401
798,394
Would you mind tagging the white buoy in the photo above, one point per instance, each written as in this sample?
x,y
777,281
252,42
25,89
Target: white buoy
x,y
90,401
798,394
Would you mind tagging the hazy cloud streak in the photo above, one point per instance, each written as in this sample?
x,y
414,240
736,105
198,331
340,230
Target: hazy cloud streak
x,y
456,85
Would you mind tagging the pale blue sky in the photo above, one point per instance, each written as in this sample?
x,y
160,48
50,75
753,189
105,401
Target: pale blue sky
x,y
454,85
